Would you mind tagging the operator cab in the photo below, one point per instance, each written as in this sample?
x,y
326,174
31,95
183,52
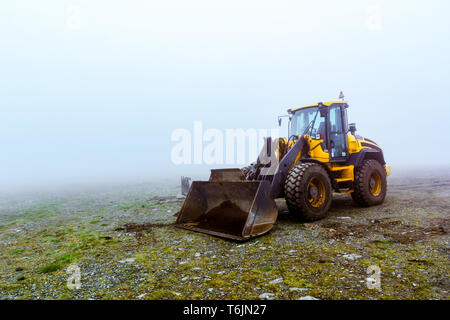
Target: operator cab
x,y
324,121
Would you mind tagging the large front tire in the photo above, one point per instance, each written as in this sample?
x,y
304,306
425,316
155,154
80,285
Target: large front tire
x,y
308,191
370,184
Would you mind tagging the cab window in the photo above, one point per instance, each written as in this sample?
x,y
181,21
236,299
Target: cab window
x,y
338,136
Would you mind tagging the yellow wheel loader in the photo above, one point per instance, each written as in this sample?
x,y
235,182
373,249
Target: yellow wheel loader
x,y
322,155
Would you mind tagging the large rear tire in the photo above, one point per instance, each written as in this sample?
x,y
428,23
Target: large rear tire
x,y
308,191
370,184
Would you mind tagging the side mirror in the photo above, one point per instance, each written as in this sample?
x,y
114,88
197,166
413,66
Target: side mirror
x,y
352,128
280,119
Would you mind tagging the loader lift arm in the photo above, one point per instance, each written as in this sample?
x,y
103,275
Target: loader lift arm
x,y
285,166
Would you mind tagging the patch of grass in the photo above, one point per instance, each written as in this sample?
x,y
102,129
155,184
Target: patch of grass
x,y
386,241
127,206
50,239
162,294
50,268
378,256
67,258
14,222
17,251
40,212
267,269
94,221
135,206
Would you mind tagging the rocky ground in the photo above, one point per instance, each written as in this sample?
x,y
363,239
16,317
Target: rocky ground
x,y
124,242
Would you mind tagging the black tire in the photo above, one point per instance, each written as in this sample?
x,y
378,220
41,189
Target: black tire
x,y
300,195
370,184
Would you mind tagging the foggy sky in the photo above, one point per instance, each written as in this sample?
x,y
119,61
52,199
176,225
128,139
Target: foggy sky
x,y
101,101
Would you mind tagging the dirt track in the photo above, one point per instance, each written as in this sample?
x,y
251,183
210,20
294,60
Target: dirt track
x,y
127,248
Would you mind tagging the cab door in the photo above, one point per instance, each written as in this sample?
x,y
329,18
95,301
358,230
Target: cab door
x,y
337,133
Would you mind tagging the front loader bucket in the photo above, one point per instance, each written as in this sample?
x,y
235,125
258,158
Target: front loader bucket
x,y
237,210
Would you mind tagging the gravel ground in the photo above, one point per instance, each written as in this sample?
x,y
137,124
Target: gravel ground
x,y
126,247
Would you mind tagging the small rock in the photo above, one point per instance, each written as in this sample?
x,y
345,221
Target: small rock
x,y
196,269
308,298
292,251
142,295
183,262
263,248
20,278
352,256
184,279
180,196
198,254
276,281
210,289
298,289
129,260
267,296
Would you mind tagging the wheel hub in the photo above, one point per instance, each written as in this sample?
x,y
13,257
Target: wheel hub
x,y
372,183
316,192
313,192
375,184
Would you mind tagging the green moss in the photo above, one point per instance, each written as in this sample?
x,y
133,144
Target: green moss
x,y
162,294
17,251
378,256
50,268
67,258
385,241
